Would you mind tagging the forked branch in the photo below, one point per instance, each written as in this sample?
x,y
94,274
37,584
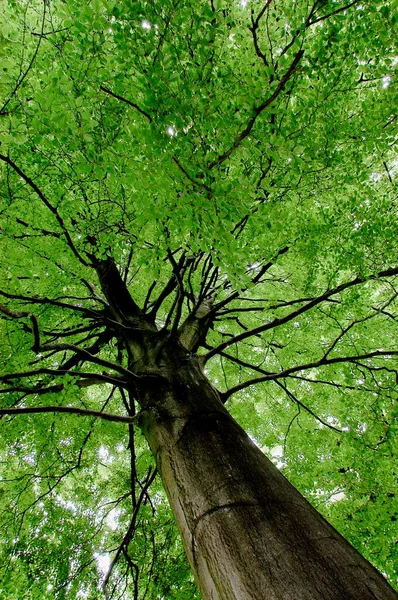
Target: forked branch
x,y
305,367
282,320
257,111
294,398
131,529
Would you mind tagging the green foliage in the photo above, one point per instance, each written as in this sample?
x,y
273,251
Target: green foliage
x,y
223,132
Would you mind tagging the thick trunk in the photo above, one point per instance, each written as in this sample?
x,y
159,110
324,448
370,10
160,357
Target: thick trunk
x,y
248,533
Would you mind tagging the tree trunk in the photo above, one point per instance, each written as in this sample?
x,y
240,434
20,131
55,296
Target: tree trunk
x,y
248,533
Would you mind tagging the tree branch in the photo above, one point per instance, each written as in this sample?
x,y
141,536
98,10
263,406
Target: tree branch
x,y
187,175
166,291
90,313
282,320
253,29
30,65
335,12
124,309
62,372
257,112
345,330
28,391
48,204
255,279
69,410
313,365
108,91
300,404
177,270
130,531
85,354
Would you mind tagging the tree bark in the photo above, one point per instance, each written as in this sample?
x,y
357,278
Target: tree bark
x,y
248,533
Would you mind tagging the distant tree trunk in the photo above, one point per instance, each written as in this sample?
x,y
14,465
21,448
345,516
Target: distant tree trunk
x,y
248,533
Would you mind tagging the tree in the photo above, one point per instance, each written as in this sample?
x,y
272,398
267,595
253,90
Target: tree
x,y
198,225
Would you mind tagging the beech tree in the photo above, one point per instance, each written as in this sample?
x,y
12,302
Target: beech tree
x,y
199,271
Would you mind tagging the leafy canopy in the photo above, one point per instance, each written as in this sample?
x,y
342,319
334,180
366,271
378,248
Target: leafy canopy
x,y
234,158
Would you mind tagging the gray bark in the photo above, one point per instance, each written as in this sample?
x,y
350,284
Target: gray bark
x,y
248,533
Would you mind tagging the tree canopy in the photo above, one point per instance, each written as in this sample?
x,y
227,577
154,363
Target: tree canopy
x,y
232,163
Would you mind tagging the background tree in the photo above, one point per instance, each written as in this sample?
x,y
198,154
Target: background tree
x,y
218,173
